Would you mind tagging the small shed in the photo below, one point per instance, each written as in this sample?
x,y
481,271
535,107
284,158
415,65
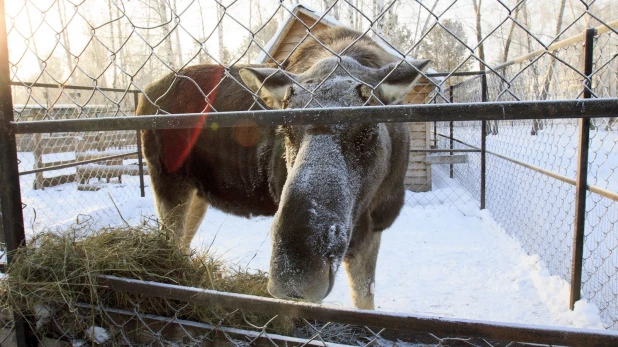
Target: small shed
x,y
294,29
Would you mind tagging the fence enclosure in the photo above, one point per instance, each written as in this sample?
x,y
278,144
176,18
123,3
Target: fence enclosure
x,y
515,137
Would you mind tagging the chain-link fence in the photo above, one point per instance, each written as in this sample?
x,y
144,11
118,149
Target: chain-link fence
x,y
229,319
87,60
531,164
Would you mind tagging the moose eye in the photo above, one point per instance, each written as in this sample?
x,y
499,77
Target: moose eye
x,y
364,92
289,92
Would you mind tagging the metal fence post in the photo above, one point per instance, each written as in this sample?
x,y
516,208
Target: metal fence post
x,y
581,179
450,128
10,194
483,141
140,160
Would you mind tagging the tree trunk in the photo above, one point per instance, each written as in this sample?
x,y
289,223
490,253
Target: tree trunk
x,y
203,57
44,78
479,33
167,35
552,63
536,125
417,36
378,7
112,39
222,51
123,60
67,44
350,15
177,34
509,39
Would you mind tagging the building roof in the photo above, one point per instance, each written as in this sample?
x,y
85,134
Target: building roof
x,y
275,42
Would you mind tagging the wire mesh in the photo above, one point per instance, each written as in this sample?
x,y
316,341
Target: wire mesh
x,y
115,49
82,324
529,204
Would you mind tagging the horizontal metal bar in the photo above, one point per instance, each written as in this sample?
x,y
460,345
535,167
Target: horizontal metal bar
x,y
593,189
154,323
64,166
377,114
387,320
454,74
68,86
558,45
445,150
474,148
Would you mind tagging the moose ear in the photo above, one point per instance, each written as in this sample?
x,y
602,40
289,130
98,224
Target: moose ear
x,y
269,84
400,79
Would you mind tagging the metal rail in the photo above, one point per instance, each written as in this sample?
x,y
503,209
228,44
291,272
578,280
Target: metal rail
x,y
593,189
581,179
445,150
68,86
484,99
10,195
77,163
510,110
387,320
601,29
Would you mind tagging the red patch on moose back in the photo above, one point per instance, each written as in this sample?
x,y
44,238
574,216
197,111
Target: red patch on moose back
x,y
178,143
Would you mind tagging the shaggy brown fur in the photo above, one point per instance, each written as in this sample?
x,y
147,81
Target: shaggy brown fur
x,y
332,189
238,170
342,41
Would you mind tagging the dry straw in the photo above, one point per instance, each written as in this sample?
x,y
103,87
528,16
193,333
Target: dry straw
x,y
57,273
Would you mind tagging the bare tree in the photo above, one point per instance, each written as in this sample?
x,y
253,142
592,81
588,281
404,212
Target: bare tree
x,y
536,125
112,39
203,57
167,36
67,44
479,32
44,78
326,4
509,39
552,63
350,14
177,35
379,19
445,51
419,32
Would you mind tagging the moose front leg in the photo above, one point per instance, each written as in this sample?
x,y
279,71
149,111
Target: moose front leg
x,y
360,264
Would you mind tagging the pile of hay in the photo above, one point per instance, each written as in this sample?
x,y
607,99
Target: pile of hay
x,y
57,272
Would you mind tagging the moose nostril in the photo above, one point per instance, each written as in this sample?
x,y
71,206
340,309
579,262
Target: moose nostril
x,y
295,296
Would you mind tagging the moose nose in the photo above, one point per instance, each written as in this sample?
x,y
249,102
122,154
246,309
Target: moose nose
x,y
307,289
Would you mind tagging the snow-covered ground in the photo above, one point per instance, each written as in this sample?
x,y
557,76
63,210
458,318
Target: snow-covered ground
x,y
450,261
539,210
439,258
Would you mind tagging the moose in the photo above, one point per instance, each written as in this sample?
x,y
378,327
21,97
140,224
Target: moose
x,y
332,189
